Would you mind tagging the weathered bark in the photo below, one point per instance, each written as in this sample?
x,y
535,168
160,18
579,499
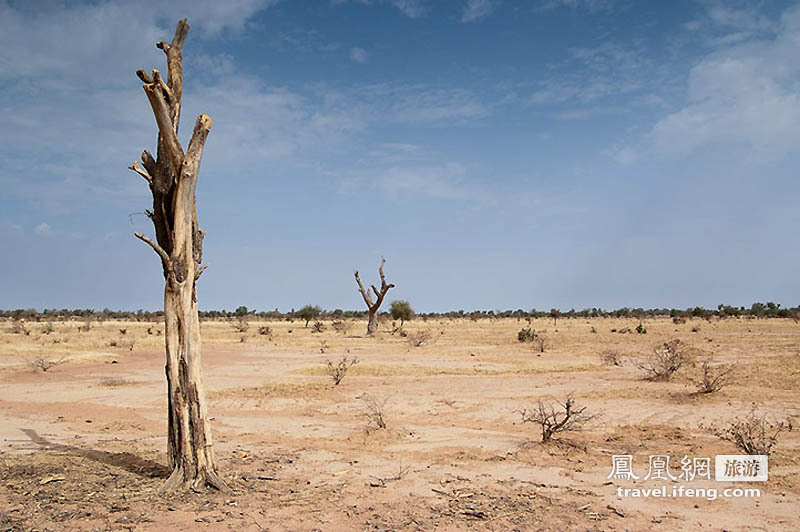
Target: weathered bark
x,y
372,307
172,177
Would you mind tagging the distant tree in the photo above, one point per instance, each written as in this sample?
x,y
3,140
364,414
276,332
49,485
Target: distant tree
x,y
240,312
401,310
309,313
555,314
372,307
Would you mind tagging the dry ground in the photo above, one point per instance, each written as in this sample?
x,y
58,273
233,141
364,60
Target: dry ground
x,y
82,444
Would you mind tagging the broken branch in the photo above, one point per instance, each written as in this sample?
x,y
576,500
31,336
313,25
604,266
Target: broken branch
x,y
158,249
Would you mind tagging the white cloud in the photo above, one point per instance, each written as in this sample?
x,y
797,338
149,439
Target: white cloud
x,y
745,94
625,155
126,31
358,55
477,9
91,126
44,229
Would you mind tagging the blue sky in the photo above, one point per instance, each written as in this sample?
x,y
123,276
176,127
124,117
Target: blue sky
x,y
499,154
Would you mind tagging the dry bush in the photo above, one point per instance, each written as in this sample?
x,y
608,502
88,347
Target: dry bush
x,y
713,378
318,327
570,417
665,360
339,370
373,410
265,331
419,338
540,343
612,358
241,325
45,364
87,325
753,434
18,327
48,328
340,326
526,334
323,346
678,321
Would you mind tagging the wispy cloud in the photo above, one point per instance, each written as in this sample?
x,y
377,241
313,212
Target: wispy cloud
x,y
744,94
44,229
410,8
358,55
592,74
590,5
477,9
448,181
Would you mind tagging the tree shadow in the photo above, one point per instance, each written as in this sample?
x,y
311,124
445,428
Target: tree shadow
x,y
125,460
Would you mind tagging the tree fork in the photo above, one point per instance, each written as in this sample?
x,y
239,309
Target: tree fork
x,y
372,307
172,178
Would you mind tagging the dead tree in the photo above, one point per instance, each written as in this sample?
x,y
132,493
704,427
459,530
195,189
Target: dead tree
x,y
172,177
372,307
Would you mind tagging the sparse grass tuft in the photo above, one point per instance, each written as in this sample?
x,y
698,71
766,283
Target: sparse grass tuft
x,y
339,370
373,410
713,378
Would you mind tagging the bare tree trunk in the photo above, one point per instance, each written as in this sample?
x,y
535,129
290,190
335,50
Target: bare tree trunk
x,y
172,177
372,324
372,307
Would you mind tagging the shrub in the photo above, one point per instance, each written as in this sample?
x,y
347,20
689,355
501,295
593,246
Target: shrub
x,y
526,335
265,331
753,434
48,328
713,378
339,370
665,360
401,310
569,417
318,327
419,338
373,410
18,327
340,326
308,313
241,325
45,364
640,329
611,358
540,343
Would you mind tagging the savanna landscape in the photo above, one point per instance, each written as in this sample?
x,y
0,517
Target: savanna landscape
x,y
83,441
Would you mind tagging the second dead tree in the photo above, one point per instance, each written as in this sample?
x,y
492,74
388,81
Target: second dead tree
x,y
372,307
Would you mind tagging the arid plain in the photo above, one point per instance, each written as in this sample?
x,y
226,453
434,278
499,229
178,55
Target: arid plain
x,y
82,444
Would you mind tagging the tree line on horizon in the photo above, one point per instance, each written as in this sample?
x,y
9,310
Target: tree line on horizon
x,y
756,310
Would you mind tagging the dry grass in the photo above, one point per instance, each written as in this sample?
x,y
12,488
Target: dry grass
x,y
451,415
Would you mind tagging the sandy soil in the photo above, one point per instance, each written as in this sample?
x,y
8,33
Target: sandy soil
x,y
82,444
